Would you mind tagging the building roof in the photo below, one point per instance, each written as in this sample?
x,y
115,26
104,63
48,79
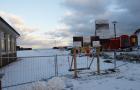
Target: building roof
x,y
137,31
9,26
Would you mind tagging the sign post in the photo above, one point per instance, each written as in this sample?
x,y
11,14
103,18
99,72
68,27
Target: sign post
x,y
97,45
85,42
114,23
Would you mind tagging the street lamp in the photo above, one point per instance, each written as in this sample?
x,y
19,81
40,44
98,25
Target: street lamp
x,y
114,23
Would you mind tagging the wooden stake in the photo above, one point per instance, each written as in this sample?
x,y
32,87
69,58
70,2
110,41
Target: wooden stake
x,y
98,60
75,64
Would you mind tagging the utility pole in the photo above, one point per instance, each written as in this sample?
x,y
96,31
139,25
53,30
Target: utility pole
x,y
114,23
95,33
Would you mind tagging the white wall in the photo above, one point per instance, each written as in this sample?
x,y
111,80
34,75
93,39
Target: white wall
x,y
138,39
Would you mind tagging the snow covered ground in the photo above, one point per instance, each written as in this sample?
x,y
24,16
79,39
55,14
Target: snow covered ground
x,y
29,69
127,79
42,68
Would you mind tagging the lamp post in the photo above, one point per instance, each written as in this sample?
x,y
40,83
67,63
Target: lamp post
x,y
114,23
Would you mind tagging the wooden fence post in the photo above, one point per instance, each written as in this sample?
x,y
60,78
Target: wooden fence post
x,y
75,64
98,60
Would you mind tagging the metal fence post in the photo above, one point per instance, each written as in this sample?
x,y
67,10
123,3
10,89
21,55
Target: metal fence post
x,y
98,59
1,76
56,66
115,64
0,60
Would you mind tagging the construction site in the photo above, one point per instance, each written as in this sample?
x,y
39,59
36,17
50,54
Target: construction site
x,y
69,45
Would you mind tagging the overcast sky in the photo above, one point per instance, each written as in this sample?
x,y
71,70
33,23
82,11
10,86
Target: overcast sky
x,y
48,23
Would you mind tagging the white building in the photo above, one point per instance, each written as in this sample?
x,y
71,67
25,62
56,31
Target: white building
x,y
8,37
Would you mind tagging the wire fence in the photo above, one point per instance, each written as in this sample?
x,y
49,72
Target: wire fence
x,y
26,70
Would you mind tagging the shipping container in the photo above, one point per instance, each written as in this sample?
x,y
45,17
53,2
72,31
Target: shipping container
x,y
133,40
94,38
105,43
124,41
114,43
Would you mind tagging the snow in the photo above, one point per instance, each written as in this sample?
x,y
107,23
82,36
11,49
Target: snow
x,y
62,83
41,52
38,86
40,72
127,79
56,83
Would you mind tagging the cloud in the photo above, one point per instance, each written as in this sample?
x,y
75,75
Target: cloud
x,y
32,37
17,22
28,37
79,19
88,6
81,14
60,35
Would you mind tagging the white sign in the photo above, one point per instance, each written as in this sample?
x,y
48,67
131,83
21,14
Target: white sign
x,y
102,24
101,21
86,39
96,43
77,44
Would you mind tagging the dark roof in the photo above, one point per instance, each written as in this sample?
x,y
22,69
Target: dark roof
x,y
9,25
137,31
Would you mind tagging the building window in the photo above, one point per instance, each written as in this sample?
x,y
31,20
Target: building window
x,y
12,44
8,39
2,38
5,42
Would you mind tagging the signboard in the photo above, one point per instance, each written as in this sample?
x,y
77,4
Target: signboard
x,y
102,25
102,28
96,43
77,44
77,41
86,41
